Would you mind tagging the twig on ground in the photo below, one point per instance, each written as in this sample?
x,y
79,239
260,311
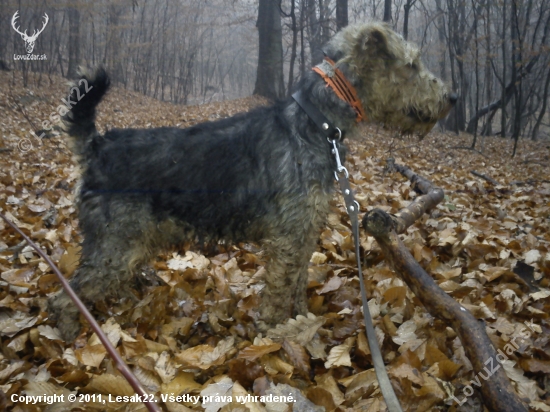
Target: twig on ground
x,y
485,177
121,366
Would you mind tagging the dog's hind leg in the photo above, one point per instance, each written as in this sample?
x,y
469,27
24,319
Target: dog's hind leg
x,y
114,248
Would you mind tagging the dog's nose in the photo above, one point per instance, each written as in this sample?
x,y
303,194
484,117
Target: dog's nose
x,y
453,97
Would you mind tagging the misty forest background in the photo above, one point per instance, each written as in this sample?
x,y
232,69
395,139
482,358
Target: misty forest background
x,y
495,54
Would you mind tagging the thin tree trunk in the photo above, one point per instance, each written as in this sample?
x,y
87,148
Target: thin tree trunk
x,y
74,40
294,46
341,14
407,9
543,108
503,99
387,11
269,78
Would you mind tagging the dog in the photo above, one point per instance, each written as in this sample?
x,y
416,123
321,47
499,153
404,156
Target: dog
x,y
265,176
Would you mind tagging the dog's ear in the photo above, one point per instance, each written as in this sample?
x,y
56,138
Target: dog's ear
x,y
374,42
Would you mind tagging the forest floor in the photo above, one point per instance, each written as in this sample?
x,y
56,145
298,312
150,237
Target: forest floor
x,y
486,245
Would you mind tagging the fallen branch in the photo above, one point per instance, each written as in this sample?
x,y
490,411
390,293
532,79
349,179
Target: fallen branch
x,y
498,394
433,195
529,182
485,177
121,366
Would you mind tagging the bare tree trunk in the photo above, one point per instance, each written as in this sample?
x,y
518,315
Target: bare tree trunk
x,y
516,60
302,44
456,46
543,108
74,40
314,27
269,78
442,39
324,21
387,11
476,73
341,14
407,9
503,99
294,46
487,127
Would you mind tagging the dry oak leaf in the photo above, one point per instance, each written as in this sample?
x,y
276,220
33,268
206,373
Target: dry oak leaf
x,y
11,324
165,368
316,348
321,397
205,356
254,352
405,332
333,284
300,330
299,401
328,383
216,395
244,398
190,260
339,355
429,394
183,383
532,256
13,368
91,355
274,365
110,384
540,406
298,356
362,384
112,329
49,332
318,258
147,378
526,387
406,371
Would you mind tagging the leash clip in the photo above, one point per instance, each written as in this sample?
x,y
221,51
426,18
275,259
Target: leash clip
x,y
339,167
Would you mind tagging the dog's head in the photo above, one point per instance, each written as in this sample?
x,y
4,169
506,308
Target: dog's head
x,y
395,88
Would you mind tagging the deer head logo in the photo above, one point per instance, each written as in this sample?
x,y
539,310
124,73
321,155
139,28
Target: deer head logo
x,y
29,40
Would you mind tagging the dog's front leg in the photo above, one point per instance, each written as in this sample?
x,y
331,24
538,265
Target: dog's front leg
x,y
284,295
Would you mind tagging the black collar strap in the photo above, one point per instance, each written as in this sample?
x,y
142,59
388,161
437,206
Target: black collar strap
x,y
320,120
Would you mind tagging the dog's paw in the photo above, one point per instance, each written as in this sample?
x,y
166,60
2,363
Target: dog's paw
x,y
63,311
262,326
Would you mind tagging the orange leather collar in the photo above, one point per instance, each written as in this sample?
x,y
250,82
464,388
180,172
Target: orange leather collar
x,y
341,86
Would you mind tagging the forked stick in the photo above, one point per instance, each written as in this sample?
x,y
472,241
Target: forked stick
x,y
497,391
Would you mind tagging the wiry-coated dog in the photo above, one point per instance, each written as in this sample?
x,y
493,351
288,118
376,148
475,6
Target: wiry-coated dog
x,y
265,176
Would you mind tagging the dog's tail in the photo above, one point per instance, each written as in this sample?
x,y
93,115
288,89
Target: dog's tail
x,y
84,96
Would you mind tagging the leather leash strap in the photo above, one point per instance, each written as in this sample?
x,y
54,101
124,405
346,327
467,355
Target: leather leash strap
x,y
315,115
334,137
352,208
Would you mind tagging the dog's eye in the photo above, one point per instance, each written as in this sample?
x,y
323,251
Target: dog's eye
x,y
412,66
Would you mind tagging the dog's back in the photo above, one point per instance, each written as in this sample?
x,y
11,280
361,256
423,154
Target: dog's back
x,y
212,178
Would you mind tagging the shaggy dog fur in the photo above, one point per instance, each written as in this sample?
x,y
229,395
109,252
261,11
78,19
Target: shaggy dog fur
x,y
265,176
